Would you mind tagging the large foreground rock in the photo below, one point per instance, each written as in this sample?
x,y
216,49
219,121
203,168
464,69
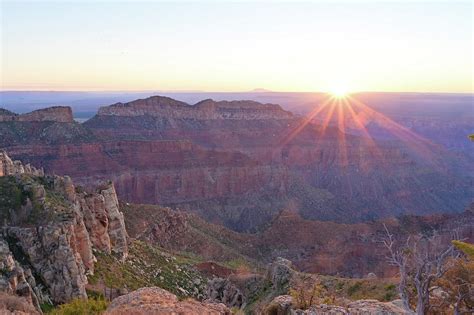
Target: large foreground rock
x,y
154,300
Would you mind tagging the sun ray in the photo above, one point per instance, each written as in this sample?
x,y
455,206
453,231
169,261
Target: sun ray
x,y
361,126
322,128
342,135
305,121
421,146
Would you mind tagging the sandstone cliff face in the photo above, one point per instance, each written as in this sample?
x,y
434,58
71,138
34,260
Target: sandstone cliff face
x,y
61,114
51,231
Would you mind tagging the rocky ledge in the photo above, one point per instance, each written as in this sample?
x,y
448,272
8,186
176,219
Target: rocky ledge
x,y
61,114
159,106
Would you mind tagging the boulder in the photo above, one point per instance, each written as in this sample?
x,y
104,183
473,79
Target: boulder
x,y
281,305
154,300
223,291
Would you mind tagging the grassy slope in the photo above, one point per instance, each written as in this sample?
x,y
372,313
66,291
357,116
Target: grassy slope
x,y
148,266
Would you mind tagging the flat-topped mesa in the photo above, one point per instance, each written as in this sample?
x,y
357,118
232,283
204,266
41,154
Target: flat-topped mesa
x,y
160,106
62,114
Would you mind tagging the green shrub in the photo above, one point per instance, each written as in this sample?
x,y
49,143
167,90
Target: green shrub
x,y
466,248
81,307
354,288
389,296
390,287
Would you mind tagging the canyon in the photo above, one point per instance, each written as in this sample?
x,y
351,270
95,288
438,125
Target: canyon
x,y
240,163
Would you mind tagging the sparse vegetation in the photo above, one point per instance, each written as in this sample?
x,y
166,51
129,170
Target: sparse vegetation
x,y
147,266
12,197
89,306
464,247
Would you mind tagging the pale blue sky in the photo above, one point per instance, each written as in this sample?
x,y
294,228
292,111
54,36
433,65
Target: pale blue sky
x,y
215,46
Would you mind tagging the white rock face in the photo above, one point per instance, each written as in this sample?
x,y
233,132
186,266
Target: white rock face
x,y
116,229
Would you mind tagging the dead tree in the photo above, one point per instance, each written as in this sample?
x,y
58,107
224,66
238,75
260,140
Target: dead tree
x,y
421,260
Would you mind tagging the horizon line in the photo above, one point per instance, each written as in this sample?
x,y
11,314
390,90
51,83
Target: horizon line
x,y
246,91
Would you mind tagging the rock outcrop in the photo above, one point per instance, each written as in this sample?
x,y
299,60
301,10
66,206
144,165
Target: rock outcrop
x,y
10,167
154,300
116,225
54,256
61,114
279,273
224,291
51,230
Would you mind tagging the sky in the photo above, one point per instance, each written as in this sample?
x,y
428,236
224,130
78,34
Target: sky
x,y
223,46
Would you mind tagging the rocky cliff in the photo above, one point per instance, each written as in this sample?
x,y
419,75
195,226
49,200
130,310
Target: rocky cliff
x,y
49,231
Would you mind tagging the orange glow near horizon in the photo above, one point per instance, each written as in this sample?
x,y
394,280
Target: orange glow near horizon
x,y
122,46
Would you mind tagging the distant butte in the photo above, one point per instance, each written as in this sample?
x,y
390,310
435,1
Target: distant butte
x,y
57,114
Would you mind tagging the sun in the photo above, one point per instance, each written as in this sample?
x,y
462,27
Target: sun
x,y
339,92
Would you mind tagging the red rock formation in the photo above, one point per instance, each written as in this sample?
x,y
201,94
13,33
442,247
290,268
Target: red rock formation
x,y
159,171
